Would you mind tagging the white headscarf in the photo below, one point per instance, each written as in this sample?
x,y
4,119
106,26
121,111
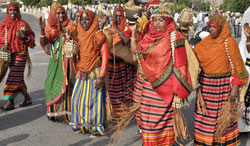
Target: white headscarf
x,y
242,45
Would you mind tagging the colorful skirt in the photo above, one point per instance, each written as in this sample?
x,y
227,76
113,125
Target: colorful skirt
x,y
215,92
88,104
154,117
15,81
121,84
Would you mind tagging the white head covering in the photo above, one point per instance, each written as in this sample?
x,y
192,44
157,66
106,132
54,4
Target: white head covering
x,y
242,45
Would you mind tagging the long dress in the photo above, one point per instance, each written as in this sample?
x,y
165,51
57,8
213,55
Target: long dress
x,y
88,103
58,84
215,84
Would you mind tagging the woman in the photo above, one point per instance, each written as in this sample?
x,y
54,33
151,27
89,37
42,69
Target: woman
x,y
163,74
88,109
215,82
244,123
121,74
19,38
59,80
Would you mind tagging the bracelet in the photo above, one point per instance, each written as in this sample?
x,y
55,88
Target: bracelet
x,y
100,78
42,36
247,43
133,39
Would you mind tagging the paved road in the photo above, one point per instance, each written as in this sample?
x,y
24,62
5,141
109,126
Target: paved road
x,y
29,126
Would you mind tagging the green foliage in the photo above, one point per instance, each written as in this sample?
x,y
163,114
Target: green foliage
x,y
80,2
63,2
30,2
235,5
181,7
44,3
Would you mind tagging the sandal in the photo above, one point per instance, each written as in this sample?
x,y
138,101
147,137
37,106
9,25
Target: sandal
x,y
25,103
8,108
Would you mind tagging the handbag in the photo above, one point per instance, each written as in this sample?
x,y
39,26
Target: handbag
x,y
5,57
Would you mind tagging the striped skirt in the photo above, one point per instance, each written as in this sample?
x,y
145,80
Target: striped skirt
x,y
154,117
15,81
88,105
121,84
215,92
61,110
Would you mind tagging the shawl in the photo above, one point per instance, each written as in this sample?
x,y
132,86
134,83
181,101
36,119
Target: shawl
x,y
155,57
52,30
121,26
211,52
15,44
90,42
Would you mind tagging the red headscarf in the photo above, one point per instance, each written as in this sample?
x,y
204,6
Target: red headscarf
x,y
13,25
53,30
153,35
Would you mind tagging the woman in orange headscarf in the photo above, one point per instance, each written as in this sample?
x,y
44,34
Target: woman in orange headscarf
x,y
221,65
16,35
89,94
121,74
59,80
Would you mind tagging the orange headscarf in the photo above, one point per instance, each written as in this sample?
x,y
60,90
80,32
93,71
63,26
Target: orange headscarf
x,y
212,55
121,26
90,42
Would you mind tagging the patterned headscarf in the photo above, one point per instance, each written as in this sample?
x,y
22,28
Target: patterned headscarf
x,y
219,22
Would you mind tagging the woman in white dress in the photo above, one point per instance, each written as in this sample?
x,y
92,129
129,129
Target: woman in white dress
x,y
244,123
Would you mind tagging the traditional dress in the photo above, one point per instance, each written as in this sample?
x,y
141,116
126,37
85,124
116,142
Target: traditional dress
x,y
160,74
59,80
19,52
121,74
244,123
215,83
88,103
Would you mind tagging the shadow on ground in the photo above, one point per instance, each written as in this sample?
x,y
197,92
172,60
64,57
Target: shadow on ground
x,y
13,139
19,117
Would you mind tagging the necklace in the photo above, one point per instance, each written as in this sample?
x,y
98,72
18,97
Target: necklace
x,y
56,47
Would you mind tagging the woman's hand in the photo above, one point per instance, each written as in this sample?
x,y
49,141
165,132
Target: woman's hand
x,y
67,34
42,23
99,83
133,28
234,92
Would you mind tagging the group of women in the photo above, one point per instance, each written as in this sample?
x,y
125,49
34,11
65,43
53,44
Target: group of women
x,y
76,88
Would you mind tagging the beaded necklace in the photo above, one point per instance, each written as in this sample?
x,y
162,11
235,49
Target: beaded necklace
x,y
56,47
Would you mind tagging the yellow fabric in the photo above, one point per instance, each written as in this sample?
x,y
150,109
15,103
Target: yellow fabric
x,y
143,21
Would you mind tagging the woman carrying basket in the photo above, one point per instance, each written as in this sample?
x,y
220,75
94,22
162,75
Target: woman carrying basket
x,y
59,80
16,36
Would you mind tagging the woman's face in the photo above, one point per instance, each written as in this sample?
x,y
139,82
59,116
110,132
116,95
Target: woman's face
x,y
85,21
60,15
77,16
159,23
119,17
213,30
12,13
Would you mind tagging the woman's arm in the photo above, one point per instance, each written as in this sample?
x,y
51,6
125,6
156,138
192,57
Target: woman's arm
x,y
133,41
43,39
105,55
124,39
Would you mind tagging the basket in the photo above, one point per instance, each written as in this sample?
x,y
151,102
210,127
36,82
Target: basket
x,y
70,48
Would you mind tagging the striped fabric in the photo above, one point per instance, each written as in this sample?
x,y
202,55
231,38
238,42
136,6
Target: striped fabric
x,y
121,83
15,80
88,107
155,118
58,86
214,91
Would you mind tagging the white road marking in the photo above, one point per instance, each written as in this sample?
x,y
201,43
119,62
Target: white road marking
x,y
36,52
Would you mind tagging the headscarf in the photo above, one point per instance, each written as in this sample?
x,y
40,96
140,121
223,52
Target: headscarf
x,y
211,52
14,43
154,51
89,42
52,30
121,26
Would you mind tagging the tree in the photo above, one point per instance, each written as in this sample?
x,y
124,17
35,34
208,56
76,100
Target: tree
x,y
63,2
30,2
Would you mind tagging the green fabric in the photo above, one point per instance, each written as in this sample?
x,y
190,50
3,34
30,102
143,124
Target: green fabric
x,y
8,97
55,76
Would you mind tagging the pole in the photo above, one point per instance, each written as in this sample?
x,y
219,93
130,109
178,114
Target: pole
x,y
175,5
